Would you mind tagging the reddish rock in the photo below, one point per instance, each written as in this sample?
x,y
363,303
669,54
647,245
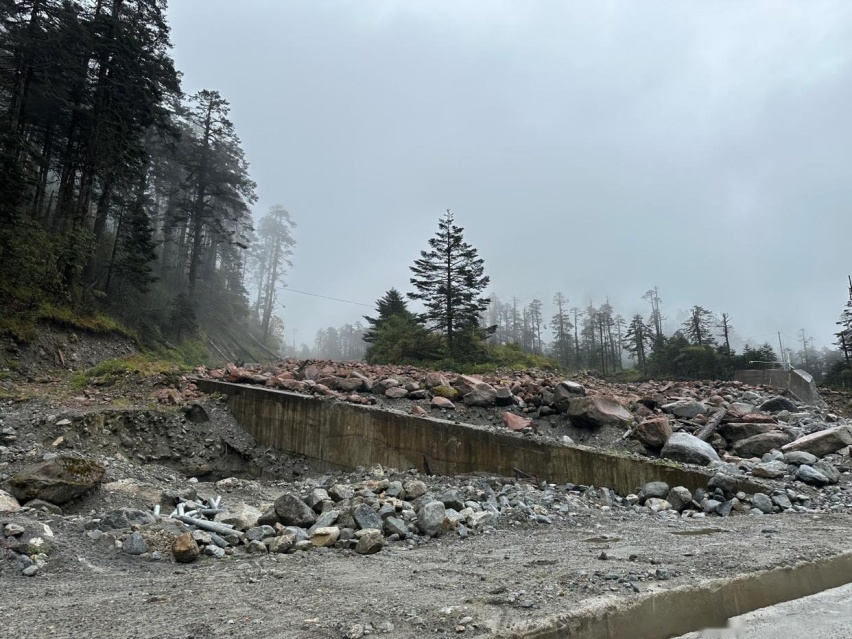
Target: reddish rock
x,y
516,422
442,402
654,432
758,418
418,410
397,392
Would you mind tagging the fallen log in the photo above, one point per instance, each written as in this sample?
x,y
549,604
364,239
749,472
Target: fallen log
x,y
712,424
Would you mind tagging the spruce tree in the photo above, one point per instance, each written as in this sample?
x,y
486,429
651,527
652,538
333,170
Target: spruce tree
x,y
449,280
391,304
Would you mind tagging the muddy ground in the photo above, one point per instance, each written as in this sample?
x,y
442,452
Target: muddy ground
x,y
494,583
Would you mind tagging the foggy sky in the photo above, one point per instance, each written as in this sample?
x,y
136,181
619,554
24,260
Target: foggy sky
x,y
594,148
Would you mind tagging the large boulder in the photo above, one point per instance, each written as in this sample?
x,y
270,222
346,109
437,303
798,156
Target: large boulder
x,y
482,395
292,511
653,432
241,516
432,519
57,480
688,449
777,404
686,409
564,392
598,411
823,442
736,431
759,445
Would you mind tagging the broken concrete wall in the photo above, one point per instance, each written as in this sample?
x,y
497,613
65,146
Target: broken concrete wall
x,y
800,383
345,436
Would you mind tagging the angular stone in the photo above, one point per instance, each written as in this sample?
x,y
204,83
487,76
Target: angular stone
x,y
395,526
516,422
396,393
770,470
324,537
370,542
564,392
658,505
366,517
241,516
316,499
828,470
442,402
414,488
653,432
481,395
8,504
135,544
783,501
292,511
777,404
679,497
737,431
482,519
185,549
260,533
282,543
763,503
433,379
686,409
57,480
452,499
432,519
125,518
598,411
504,396
340,492
823,442
810,475
799,457
688,449
418,410
723,481
379,388
350,384
759,445
325,520
658,489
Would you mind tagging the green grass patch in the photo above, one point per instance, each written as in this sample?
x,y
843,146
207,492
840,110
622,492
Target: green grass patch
x,y
111,371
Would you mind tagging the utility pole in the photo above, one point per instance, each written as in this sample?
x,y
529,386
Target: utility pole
x,y
781,353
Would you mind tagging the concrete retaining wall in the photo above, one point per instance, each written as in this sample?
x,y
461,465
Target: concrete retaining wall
x,y
800,383
675,612
345,436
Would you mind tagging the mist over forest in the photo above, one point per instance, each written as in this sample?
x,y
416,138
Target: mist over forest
x,y
420,184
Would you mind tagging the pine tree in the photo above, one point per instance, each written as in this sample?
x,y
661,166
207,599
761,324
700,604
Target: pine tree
x,y
391,304
698,326
449,280
561,326
638,341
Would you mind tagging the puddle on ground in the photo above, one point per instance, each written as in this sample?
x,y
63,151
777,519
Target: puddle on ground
x,y
602,539
699,531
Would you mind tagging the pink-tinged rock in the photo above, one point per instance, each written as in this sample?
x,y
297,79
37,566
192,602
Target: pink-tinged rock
x,y
329,382
482,395
434,378
379,388
418,410
291,385
217,374
350,384
464,384
397,392
311,372
598,411
823,442
442,402
654,432
516,422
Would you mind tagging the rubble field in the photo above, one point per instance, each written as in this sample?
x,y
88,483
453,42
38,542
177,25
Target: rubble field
x,y
141,508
